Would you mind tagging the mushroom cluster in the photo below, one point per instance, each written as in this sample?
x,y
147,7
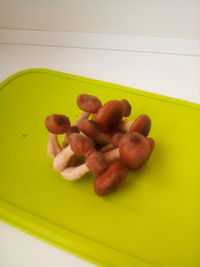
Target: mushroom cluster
x,y
100,141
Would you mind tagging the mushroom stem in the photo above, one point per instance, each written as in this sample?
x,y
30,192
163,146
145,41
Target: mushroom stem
x,y
112,155
65,141
53,147
62,159
125,125
89,104
84,115
95,162
79,145
74,173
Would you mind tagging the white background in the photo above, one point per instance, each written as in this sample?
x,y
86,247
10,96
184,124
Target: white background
x,y
171,18
164,58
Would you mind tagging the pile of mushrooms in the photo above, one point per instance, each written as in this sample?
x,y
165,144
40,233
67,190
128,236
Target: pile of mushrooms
x,y
100,141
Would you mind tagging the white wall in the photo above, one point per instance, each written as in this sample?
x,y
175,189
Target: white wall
x,y
164,18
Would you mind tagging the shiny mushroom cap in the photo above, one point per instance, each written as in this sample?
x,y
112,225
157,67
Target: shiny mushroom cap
x,y
111,179
96,162
89,128
141,125
80,144
134,149
57,123
126,108
109,116
88,103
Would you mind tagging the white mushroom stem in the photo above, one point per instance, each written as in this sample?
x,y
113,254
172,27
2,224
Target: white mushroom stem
x,y
84,115
65,141
62,159
112,155
53,147
75,173
125,125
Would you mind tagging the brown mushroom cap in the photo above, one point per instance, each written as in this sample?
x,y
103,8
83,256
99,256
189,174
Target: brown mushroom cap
x,y
126,108
96,162
88,103
89,128
57,123
134,149
109,116
151,143
106,148
73,129
141,125
80,144
111,179
103,139
116,138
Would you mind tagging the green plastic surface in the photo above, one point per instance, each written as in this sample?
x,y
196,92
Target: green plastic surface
x,y
153,220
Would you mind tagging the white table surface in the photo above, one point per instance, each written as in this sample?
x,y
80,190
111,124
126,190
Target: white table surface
x,y
166,74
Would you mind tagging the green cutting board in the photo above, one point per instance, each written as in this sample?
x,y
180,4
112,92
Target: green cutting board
x,y
153,220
